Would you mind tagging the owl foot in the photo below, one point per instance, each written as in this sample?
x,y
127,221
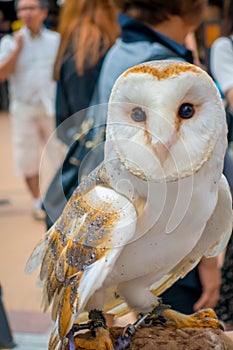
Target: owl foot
x,y
100,338
101,341
173,319
163,315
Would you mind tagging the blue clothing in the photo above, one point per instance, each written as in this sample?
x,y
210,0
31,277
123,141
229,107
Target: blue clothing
x,y
228,169
138,43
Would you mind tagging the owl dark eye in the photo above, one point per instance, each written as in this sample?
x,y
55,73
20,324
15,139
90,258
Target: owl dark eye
x,y
186,111
138,115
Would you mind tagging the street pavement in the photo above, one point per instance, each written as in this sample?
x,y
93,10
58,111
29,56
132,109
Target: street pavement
x,y
18,235
31,341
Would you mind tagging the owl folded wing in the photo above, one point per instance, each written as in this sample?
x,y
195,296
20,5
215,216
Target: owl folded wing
x,y
213,240
79,251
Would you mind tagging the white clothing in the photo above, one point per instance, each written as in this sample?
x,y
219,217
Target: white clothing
x,y
221,63
32,128
32,79
32,98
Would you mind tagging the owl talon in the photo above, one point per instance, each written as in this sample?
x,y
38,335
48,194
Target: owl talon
x,y
130,330
200,319
100,339
155,314
155,317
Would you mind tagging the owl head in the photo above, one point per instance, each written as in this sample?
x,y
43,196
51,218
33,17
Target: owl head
x,y
165,120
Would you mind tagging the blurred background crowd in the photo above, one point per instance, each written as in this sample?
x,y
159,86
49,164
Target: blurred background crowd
x,y
81,61
208,31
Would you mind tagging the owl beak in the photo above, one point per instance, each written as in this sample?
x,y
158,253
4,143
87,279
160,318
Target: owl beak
x,y
161,151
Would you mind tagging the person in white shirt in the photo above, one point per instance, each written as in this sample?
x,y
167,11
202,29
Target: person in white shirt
x,y
27,61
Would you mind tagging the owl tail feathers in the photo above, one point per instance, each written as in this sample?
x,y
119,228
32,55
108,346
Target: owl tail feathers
x,y
52,290
64,322
64,310
37,255
54,341
67,312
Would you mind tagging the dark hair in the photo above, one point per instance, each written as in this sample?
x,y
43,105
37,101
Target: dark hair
x,y
227,22
43,3
157,11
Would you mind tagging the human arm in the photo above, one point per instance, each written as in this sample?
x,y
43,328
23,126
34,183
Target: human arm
x,y
7,65
221,66
210,277
191,44
229,96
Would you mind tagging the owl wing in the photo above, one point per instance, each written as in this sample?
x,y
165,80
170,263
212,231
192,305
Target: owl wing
x,y
79,251
213,240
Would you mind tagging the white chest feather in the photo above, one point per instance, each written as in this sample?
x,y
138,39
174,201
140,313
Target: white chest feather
x,y
171,219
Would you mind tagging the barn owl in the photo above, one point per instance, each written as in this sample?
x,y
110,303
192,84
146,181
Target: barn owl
x,y
146,216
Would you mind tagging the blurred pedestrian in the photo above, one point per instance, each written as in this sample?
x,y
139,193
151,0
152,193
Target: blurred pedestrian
x,y
6,339
221,65
88,29
27,60
221,55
